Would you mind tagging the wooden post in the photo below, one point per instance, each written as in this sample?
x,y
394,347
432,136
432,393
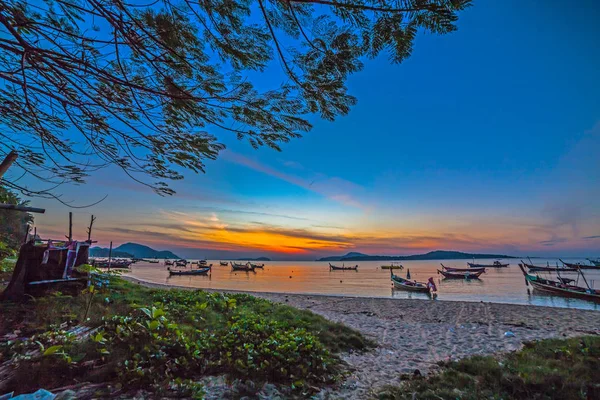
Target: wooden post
x,y
27,233
70,226
8,160
109,255
89,231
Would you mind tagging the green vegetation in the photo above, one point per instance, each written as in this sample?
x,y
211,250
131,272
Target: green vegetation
x,y
166,340
548,369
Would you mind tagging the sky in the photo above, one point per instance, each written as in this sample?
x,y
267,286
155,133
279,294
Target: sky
x,y
485,140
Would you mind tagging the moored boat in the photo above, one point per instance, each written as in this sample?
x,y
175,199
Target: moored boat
x,y
181,263
413,286
562,287
460,275
257,265
199,271
596,263
579,265
547,268
223,263
242,267
495,264
342,268
393,265
450,269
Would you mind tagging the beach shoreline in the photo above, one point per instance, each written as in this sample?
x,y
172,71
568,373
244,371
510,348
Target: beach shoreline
x,y
416,334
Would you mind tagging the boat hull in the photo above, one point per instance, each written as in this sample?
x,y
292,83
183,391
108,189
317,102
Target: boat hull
x,y
450,269
405,284
472,265
459,275
202,271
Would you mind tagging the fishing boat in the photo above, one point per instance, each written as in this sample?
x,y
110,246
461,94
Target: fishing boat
x,y
547,268
561,287
579,265
412,286
595,263
495,264
257,265
223,263
342,268
242,267
450,269
181,263
393,265
199,271
460,275
153,261
168,262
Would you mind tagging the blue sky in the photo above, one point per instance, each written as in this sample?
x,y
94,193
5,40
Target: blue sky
x,y
486,139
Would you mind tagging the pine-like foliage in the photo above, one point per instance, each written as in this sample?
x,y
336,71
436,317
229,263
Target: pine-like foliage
x,y
147,84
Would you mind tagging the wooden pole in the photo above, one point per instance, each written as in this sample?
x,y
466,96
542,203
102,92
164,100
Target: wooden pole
x,y
109,255
70,226
27,233
21,208
8,160
34,234
89,231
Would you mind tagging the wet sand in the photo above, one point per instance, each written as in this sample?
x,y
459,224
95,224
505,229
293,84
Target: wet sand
x,y
416,334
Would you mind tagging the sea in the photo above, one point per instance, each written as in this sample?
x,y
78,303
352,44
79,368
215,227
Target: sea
x,y
498,285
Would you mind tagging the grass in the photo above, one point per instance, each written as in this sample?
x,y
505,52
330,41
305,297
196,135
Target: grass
x,y
7,266
166,340
548,369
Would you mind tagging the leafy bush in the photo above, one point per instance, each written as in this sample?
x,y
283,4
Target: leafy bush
x,y
167,339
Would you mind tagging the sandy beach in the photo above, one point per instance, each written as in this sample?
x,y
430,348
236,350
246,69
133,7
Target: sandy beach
x,y
416,334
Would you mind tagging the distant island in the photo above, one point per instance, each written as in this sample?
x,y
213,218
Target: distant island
x,y
254,259
104,252
432,255
132,250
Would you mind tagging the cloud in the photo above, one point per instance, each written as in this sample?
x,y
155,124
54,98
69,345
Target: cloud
x,y
592,237
336,189
243,212
553,241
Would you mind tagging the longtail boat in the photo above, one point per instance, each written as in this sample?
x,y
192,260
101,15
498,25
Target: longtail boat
x,y
412,286
548,268
495,264
579,265
393,266
242,267
181,263
343,268
450,269
168,262
460,275
562,287
257,265
199,271
223,263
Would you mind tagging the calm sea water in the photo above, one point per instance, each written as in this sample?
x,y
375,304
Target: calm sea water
x,y
502,285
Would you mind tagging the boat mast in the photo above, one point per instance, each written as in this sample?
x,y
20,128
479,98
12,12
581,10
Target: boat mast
x,y
585,280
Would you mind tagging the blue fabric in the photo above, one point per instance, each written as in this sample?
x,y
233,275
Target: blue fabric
x,y
41,394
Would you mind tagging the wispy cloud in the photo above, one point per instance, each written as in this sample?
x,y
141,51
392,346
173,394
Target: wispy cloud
x,y
592,237
553,241
336,189
244,212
